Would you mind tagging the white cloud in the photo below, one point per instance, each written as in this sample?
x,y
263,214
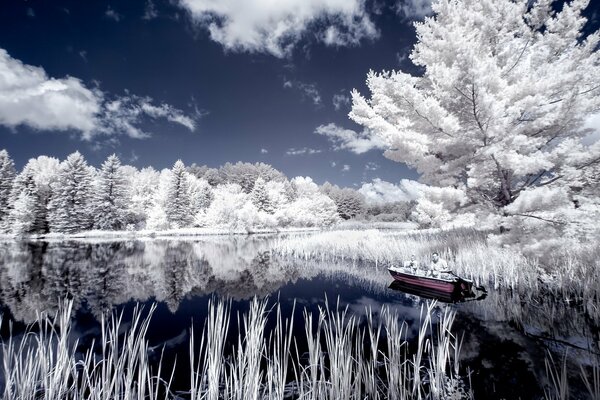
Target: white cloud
x,y
379,191
308,90
304,150
274,27
28,96
345,168
340,100
112,14
264,151
348,139
333,164
126,113
414,9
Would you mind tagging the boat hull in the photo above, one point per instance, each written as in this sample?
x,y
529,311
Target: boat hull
x,y
426,293
439,285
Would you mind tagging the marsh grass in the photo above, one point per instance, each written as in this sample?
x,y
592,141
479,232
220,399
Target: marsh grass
x,y
569,273
346,356
44,362
559,379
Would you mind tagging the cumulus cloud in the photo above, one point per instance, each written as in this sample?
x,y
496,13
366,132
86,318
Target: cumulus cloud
x,y
345,168
304,150
274,27
414,9
28,96
348,139
264,151
380,192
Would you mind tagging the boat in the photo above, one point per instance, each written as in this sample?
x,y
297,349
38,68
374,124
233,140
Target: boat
x,y
444,284
426,293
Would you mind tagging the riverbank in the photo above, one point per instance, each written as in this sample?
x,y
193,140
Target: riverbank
x,y
194,232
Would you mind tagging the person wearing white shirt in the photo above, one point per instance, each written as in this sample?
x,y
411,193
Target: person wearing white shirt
x,y
438,265
411,264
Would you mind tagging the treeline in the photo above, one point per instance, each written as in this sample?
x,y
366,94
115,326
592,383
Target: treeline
x,y
72,196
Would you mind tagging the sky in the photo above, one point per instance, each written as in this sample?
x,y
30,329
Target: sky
x,y
204,81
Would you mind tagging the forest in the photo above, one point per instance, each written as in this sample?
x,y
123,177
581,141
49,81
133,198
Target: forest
x,y
49,196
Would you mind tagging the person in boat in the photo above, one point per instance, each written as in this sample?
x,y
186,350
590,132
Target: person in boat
x,y
438,265
412,263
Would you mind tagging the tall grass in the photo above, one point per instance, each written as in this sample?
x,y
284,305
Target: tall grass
x,y
44,363
570,272
340,356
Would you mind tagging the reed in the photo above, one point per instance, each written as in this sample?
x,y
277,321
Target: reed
x,y
565,272
347,356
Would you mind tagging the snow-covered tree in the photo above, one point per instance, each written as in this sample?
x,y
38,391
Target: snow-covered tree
x,y
499,109
110,202
7,175
142,188
349,203
310,208
32,188
260,196
70,206
245,174
278,193
177,201
200,194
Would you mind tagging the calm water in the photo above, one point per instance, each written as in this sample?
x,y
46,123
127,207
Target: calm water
x,y
507,335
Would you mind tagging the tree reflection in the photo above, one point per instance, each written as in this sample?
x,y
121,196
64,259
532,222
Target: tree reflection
x,y
36,275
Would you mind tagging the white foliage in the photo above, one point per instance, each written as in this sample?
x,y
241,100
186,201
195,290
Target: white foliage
x,y
22,215
501,107
142,187
233,209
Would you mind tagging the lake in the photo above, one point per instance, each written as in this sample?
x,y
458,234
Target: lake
x,y
507,336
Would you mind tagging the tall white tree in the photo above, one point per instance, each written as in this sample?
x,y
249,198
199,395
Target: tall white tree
x,y
260,196
499,109
200,194
110,201
7,176
349,203
177,201
142,185
30,195
70,208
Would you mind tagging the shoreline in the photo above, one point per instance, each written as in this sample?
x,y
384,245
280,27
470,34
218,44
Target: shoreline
x,y
187,233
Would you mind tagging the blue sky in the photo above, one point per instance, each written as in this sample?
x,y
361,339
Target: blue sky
x,y
205,81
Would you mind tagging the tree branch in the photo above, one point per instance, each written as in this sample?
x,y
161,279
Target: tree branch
x,y
539,218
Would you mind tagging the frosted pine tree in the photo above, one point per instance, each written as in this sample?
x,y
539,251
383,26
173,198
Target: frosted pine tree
x,y
70,206
260,196
498,112
200,193
110,203
22,214
7,176
177,204
31,188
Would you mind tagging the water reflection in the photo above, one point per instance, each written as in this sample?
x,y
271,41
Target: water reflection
x,y
508,333
35,276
